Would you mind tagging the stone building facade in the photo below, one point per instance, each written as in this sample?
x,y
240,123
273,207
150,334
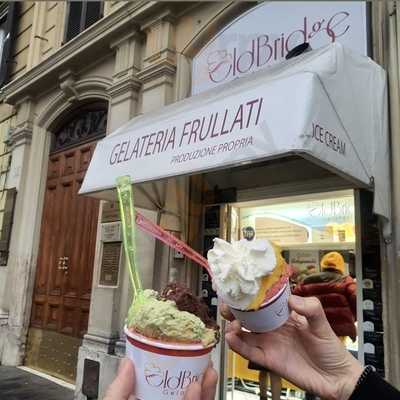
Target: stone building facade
x,y
68,66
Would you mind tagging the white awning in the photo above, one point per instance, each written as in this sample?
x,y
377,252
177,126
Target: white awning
x,y
328,106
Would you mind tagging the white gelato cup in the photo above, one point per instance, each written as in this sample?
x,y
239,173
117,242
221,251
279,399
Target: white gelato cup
x,y
270,316
164,370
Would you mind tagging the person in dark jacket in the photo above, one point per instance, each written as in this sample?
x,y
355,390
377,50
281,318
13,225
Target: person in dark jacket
x,y
305,351
336,292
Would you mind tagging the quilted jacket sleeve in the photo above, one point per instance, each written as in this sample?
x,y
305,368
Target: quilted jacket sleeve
x,y
351,294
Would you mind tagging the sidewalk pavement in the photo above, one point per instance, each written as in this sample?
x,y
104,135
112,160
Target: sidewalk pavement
x,y
17,384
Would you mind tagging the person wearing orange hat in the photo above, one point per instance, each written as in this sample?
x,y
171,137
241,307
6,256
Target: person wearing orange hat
x,y
336,291
334,261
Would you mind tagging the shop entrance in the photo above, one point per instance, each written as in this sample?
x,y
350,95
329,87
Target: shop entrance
x,y
62,291
306,227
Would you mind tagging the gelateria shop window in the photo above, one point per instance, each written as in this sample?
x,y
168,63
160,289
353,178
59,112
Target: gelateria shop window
x,y
317,236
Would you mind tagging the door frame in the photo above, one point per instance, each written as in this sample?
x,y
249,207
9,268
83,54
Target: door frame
x,y
66,114
76,176
289,190
45,329
29,212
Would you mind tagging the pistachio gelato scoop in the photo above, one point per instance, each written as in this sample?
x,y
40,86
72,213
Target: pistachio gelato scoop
x,y
161,319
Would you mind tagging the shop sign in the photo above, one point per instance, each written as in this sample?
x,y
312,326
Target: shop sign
x,y
261,117
264,35
111,232
280,231
224,131
327,220
110,262
315,213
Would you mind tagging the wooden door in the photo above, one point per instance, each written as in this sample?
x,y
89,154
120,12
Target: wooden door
x,y
63,282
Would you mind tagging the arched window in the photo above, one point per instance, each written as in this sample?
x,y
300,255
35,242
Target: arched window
x,y
85,124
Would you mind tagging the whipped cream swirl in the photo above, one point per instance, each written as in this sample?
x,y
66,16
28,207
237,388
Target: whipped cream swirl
x,y
238,267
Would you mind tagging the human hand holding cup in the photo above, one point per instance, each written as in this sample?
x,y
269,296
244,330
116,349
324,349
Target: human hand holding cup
x,y
124,385
305,350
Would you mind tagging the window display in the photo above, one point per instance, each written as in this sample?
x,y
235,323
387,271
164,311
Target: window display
x,y
317,236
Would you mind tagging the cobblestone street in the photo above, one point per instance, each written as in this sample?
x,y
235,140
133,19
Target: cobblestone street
x,y
17,384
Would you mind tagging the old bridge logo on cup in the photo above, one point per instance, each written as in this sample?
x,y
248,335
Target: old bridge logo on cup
x,y
153,375
224,64
280,312
169,383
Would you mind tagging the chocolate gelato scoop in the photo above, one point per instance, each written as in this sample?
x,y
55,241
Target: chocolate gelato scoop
x,y
186,301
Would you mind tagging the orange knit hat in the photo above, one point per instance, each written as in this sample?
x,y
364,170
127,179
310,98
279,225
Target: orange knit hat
x,y
333,260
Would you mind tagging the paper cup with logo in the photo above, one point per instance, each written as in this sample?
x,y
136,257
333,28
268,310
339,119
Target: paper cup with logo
x,y
164,370
271,315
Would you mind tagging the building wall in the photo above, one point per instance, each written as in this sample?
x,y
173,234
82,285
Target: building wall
x,y
385,31
40,32
111,6
191,24
23,36
52,27
7,118
142,66
5,159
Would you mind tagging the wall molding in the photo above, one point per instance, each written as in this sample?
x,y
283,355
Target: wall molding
x,y
96,38
90,88
19,136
